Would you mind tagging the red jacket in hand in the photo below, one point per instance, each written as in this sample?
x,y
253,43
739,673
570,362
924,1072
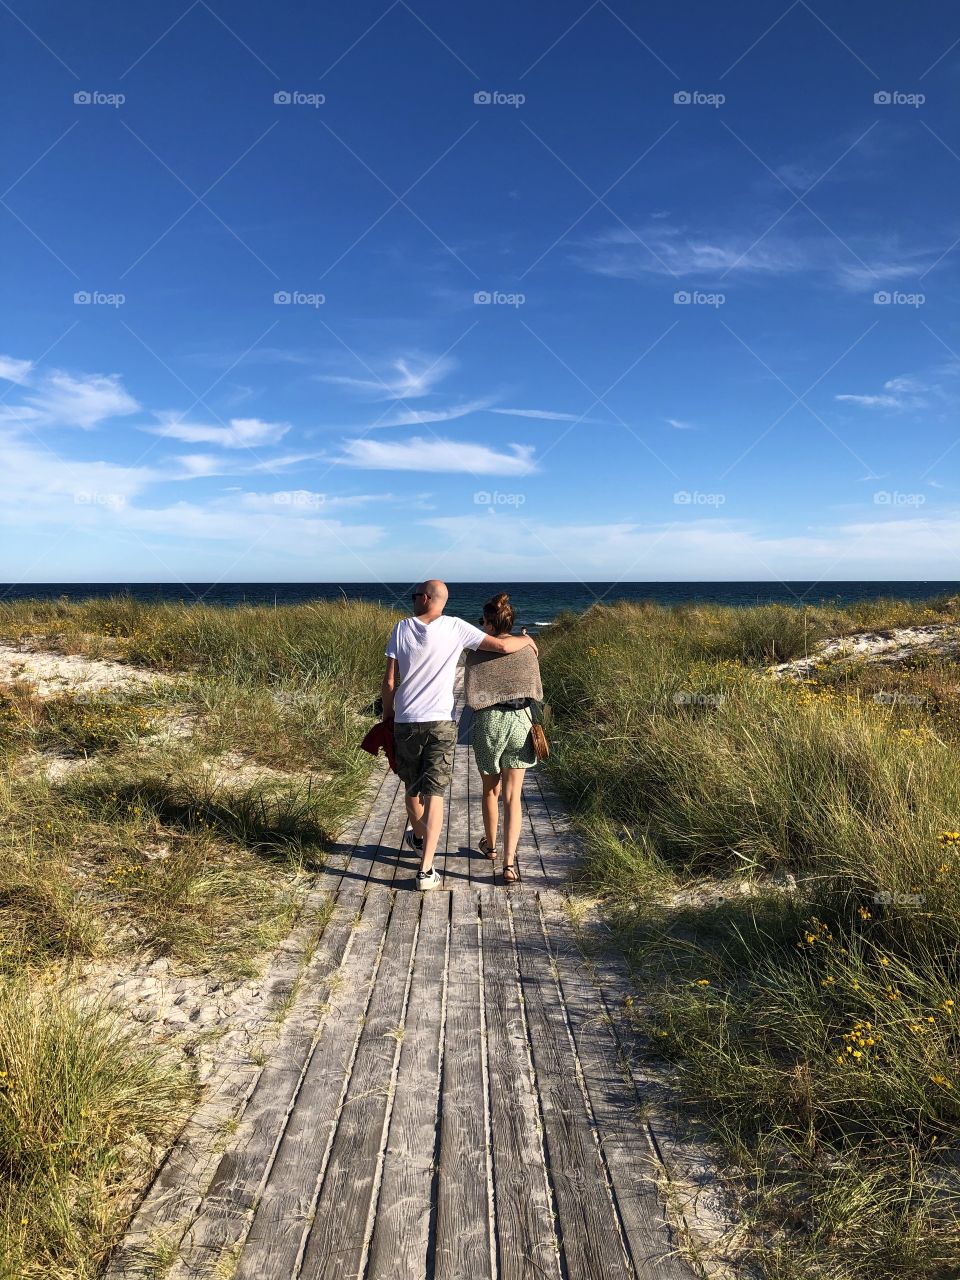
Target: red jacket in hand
x,y
380,738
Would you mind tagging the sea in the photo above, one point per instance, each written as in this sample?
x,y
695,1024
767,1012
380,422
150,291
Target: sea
x,y
536,604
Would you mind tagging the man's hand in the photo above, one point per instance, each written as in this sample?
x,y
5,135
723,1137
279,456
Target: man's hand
x,y
388,688
507,644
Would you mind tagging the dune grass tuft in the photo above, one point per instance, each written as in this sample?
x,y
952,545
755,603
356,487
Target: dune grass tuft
x,y
180,816
814,1017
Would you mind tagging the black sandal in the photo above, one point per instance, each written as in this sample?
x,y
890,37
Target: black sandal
x,y
510,874
485,849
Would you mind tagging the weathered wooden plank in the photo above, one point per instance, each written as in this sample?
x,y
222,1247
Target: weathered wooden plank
x,y
338,858
342,1219
399,1245
368,846
563,824
558,855
177,1191
632,1165
589,1229
457,861
464,1228
228,1203
388,858
355,865
526,1239
283,1211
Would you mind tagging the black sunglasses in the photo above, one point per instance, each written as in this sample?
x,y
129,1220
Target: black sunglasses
x,y
415,595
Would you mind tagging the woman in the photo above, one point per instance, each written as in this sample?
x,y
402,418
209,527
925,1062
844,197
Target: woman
x,y
500,689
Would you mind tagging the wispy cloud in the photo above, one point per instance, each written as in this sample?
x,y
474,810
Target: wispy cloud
x,y
679,425
549,415
404,378
417,417
241,432
13,370
198,465
420,454
897,393
296,501
62,400
708,256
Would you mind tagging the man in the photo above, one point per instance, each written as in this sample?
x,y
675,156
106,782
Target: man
x,y
417,690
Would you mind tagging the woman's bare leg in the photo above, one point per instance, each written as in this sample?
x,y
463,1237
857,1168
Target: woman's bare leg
x,y
512,814
491,807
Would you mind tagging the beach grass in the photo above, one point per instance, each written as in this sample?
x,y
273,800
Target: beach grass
x,y
181,815
781,861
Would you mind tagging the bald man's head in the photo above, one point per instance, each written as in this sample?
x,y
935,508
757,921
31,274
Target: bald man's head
x,y
429,596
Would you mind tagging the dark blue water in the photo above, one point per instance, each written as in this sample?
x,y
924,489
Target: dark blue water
x,y
535,603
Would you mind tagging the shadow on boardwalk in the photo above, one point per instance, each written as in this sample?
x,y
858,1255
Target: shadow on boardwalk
x,y
448,1095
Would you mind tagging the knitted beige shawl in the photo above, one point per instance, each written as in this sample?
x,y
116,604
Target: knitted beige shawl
x,y
489,678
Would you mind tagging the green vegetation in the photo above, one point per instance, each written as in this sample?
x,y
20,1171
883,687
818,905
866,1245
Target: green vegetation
x,y
819,1025
181,815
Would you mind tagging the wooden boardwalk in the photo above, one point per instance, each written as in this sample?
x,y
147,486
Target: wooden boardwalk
x,y
448,1096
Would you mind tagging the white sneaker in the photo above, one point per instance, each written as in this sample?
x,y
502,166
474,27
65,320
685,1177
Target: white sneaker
x,y
428,879
413,842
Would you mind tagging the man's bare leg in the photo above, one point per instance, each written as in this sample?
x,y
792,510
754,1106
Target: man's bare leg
x,y
432,824
415,814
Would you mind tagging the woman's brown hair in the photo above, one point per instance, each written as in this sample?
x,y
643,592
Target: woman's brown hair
x,y
498,613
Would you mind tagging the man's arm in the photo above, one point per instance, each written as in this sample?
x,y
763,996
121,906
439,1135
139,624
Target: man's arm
x,y
506,644
388,688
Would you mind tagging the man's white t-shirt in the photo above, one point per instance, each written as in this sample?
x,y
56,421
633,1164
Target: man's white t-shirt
x,y
427,654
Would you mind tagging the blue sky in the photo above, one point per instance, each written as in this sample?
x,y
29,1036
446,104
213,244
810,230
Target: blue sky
x,y
487,292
